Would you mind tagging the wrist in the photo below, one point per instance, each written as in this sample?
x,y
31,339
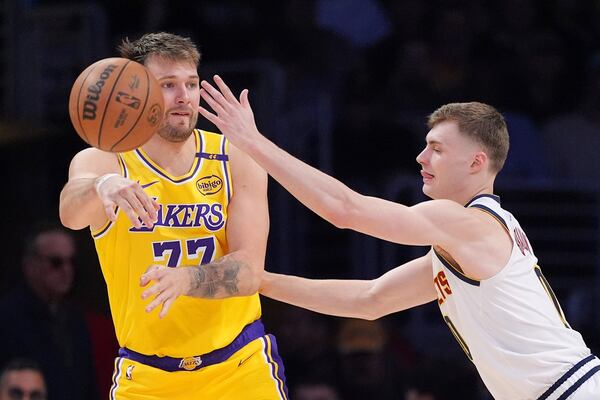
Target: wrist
x,y
263,287
99,181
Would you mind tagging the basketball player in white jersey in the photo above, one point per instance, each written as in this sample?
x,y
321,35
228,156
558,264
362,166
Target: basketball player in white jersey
x,y
481,269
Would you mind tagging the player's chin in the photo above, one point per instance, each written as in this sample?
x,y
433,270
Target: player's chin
x,y
428,190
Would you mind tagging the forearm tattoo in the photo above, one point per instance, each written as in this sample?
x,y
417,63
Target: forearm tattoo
x,y
209,278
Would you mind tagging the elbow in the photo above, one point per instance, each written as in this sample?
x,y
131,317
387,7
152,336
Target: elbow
x,y
373,308
68,220
341,214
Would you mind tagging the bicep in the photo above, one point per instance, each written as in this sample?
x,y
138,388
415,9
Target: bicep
x,y
404,287
248,215
428,223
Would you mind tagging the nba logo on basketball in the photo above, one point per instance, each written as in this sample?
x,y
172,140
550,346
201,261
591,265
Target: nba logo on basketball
x,y
128,100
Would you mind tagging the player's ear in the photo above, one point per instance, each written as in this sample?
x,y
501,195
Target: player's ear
x,y
480,161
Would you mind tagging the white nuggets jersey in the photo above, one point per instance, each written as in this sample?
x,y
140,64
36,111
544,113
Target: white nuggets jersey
x,y
511,325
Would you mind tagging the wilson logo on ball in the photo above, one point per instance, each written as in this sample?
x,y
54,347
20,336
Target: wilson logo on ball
x,y
91,103
116,104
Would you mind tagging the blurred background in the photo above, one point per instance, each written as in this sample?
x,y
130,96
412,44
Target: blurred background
x,y
345,85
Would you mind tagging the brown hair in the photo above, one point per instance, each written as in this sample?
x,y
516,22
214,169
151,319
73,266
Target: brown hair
x,y
162,44
481,122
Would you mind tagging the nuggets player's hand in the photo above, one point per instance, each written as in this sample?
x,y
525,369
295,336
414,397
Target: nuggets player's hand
x,y
169,284
234,118
129,196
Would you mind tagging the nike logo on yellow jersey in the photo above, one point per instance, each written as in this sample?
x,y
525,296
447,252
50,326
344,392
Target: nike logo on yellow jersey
x,y
144,186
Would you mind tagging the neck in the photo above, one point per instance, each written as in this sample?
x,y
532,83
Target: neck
x,y
463,199
174,157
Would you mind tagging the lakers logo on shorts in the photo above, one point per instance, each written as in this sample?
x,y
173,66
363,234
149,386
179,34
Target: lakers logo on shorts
x,y
190,363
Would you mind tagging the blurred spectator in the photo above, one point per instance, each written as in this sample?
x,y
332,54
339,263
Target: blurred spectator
x,y
305,341
525,159
39,323
362,23
315,390
367,370
441,379
571,139
22,379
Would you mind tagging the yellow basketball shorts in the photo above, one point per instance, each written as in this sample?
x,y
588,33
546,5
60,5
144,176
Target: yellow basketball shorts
x,y
254,372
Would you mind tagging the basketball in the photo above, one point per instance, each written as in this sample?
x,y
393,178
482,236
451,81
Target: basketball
x,y
116,105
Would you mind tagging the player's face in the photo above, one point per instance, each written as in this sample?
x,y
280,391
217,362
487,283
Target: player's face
x,y
179,81
446,161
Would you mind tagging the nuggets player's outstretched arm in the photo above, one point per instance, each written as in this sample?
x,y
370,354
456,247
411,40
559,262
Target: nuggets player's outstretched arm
x,y
406,286
441,222
95,188
239,272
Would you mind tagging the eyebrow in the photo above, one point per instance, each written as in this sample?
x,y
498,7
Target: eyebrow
x,y
433,142
175,77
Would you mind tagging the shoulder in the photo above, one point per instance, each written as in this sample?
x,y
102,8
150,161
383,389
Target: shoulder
x,y
94,160
92,156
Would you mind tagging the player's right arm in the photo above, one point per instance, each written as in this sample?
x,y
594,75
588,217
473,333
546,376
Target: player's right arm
x,y
95,188
404,287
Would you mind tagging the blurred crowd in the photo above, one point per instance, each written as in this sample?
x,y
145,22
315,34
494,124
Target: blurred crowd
x,y
382,65
386,64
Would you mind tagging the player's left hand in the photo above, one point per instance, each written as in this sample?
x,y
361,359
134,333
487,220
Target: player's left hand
x,y
169,284
233,117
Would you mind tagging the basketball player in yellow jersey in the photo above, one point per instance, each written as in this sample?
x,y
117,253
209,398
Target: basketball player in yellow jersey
x,y
185,207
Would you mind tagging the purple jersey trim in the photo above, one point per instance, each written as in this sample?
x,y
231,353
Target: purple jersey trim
x,y
227,182
189,176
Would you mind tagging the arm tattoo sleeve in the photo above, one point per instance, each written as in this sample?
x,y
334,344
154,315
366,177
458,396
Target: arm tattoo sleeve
x,y
210,280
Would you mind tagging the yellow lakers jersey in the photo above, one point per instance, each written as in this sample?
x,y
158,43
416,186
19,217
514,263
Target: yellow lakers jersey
x,y
190,231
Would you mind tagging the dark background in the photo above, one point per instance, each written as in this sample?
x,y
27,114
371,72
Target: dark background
x,y
346,86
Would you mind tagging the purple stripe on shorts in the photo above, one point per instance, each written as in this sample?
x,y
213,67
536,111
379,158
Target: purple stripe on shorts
x,y
116,376
275,364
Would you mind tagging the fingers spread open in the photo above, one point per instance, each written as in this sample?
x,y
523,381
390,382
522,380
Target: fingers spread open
x,y
211,102
214,93
224,89
209,116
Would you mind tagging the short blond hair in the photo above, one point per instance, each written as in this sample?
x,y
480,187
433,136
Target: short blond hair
x,y
162,44
481,122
